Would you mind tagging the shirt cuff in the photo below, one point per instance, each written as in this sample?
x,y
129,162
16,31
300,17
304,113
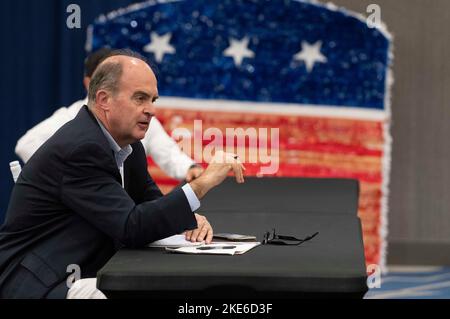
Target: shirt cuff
x,y
191,197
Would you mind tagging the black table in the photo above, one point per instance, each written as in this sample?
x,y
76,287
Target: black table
x,y
330,265
285,194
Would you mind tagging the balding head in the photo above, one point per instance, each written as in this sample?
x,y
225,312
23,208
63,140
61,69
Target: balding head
x,y
108,74
121,95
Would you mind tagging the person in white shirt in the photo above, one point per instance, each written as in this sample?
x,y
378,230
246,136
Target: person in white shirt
x,y
157,143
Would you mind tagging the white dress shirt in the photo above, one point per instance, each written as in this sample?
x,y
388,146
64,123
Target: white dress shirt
x,y
157,143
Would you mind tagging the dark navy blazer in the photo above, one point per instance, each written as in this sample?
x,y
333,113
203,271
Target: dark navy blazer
x,y
68,207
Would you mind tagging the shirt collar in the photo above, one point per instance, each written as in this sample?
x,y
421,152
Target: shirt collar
x,y
120,154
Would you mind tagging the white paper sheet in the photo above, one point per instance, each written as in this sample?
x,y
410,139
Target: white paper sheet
x,y
174,241
217,248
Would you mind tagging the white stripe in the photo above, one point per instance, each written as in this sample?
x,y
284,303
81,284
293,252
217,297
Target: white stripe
x,y
416,279
392,270
272,108
411,291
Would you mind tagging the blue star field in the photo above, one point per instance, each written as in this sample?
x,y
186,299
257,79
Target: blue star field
x,y
353,75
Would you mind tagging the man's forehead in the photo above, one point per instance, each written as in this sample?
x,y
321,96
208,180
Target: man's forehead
x,y
139,80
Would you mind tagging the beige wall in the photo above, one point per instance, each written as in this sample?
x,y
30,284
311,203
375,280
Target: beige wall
x,y
420,179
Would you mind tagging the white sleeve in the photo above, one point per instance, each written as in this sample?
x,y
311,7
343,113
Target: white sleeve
x,y
165,151
38,135
191,197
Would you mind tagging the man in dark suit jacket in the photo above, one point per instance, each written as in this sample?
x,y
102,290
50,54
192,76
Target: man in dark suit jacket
x,y
86,192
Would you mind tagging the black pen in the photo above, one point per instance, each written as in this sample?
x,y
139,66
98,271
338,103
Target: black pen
x,y
215,247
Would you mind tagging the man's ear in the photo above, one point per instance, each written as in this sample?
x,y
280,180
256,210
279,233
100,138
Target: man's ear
x,y
102,99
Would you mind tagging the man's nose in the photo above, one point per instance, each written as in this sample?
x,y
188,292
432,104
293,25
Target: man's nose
x,y
149,109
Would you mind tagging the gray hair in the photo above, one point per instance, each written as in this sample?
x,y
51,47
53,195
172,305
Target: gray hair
x,y
107,75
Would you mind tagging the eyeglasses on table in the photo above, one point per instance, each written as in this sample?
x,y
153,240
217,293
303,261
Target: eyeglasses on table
x,y
272,238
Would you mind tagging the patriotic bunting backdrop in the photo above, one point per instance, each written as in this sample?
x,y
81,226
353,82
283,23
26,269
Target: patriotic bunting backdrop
x,y
316,72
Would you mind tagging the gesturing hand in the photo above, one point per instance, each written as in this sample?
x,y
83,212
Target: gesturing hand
x,y
217,171
193,173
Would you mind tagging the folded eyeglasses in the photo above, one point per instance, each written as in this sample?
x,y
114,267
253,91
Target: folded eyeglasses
x,y
271,238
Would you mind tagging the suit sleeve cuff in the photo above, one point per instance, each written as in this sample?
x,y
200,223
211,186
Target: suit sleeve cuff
x,y
191,197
